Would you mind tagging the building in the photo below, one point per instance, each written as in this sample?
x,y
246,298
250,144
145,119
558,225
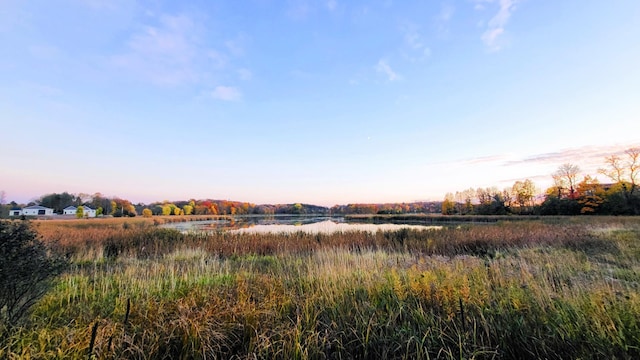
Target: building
x,y
69,210
86,211
15,211
36,210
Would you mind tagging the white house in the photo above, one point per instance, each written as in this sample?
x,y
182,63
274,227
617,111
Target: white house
x,y
15,212
86,211
36,210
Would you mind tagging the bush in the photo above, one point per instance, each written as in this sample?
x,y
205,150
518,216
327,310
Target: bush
x,y
26,270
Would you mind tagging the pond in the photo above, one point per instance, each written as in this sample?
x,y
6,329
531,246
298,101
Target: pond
x,y
287,224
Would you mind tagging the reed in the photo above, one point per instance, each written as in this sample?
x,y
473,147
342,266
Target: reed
x,y
553,290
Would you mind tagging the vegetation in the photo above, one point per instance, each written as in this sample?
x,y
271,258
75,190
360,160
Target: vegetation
x,y
26,269
568,195
547,288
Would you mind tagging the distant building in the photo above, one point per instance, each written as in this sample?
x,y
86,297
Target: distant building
x,y
86,211
69,210
36,210
15,212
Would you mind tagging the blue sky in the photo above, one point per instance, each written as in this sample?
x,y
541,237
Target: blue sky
x,y
325,102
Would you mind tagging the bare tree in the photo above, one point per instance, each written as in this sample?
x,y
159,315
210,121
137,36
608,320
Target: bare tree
x,y
566,179
624,171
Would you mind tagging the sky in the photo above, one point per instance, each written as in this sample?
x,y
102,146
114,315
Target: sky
x,y
314,101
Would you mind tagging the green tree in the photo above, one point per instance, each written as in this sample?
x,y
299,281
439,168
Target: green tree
x,y
80,212
26,270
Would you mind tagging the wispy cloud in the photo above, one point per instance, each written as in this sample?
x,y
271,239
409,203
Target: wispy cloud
x,y
492,159
236,45
172,50
226,93
245,74
415,48
332,5
495,28
383,68
298,9
164,53
444,17
586,156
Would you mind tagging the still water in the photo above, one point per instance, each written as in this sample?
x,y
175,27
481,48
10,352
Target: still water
x,y
287,224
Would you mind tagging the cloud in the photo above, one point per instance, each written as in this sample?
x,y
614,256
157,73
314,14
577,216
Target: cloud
x,y
484,160
245,74
384,68
444,17
586,156
496,26
332,5
163,54
218,60
45,52
415,48
298,9
236,45
171,50
226,93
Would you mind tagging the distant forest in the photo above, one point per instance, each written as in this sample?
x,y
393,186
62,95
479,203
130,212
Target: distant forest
x,y
117,207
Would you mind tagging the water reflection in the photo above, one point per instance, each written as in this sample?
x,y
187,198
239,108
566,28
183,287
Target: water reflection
x,y
293,224
327,227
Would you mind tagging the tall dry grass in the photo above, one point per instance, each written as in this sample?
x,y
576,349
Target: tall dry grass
x,y
525,290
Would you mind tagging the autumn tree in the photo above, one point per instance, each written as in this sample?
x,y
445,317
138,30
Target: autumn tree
x,y
524,193
146,212
590,195
448,205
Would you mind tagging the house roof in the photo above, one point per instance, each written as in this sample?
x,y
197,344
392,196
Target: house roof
x,y
85,208
70,208
37,207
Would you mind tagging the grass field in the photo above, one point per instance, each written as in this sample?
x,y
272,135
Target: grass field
x,y
558,288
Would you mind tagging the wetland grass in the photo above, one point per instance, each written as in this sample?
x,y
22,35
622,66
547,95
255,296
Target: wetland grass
x,y
530,289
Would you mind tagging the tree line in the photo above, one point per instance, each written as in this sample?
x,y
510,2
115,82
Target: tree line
x,y
570,194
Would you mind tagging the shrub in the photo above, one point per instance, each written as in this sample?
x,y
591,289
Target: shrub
x,y
26,270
